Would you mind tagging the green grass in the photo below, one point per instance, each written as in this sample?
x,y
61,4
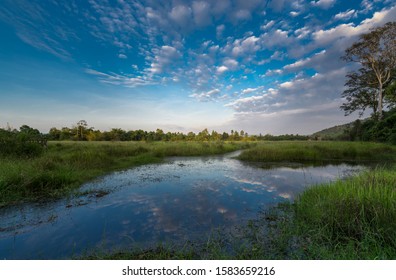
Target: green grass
x,y
352,219
313,151
64,166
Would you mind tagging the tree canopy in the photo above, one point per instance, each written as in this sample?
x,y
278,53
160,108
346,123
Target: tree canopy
x,y
369,86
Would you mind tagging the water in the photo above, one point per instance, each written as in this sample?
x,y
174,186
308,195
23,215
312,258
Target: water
x,y
182,199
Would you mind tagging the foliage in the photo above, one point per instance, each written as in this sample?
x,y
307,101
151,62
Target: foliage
x,y
27,142
361,92
284,137
118,134
376,53
383,130
370,129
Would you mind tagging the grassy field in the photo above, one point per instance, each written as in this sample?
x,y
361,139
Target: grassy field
x,y
313,151
64,166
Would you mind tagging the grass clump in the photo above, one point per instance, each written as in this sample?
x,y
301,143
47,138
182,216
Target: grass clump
x,y
312,151
351,219
346,219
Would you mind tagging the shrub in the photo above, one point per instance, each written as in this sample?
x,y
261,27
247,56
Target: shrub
x,y
21,143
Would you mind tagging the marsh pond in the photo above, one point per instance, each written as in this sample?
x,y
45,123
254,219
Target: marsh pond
x,y
175,201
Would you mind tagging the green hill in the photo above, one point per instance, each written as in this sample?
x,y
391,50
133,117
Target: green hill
x,y
369,129
335,132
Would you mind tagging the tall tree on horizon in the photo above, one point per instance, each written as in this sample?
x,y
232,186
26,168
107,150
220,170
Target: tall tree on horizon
x,y
376,53
81,126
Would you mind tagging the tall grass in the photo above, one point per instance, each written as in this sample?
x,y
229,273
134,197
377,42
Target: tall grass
x,y
66,165
350,219
309,151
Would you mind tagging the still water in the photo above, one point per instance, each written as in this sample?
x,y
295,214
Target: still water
x,y
181,199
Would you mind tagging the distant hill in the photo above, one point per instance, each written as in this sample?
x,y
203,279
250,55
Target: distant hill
x,y
369,129
334,132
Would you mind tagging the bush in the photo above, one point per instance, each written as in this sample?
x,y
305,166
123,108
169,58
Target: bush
x,y
383,130
21,143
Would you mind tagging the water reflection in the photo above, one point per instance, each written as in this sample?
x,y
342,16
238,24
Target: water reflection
x,y
182,199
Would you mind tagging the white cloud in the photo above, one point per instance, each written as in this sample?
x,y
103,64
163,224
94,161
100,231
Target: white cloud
x,y
231,63
219,31
221,69
349,30
181,15
367,5
268,25
248,104
206,96
286,85
201,11
112,23
166,57
274,38
277,55
242,47
277,5
303,32
35,26
123,80
345,15
221,7
323,4
122,56
242,15
272,72
306,62
252,90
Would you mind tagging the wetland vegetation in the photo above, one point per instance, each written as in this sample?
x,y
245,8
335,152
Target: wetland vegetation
x,y
346,219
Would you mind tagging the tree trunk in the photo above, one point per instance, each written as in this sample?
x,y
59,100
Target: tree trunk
x,y
380,97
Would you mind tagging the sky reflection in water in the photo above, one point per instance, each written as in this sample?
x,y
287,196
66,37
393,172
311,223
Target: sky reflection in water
x,y
182,199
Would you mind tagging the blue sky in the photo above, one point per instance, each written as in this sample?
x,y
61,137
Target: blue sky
x,y
262,66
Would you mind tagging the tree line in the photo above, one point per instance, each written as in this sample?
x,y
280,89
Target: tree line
x,y
28,142
81,132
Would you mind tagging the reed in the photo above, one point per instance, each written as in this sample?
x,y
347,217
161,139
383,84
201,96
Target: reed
x,y
314,151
